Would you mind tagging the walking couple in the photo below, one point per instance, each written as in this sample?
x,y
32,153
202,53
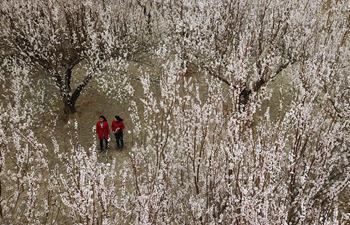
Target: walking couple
x,y
102,130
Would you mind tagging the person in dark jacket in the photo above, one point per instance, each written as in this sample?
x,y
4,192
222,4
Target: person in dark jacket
x,y
117,129
102,130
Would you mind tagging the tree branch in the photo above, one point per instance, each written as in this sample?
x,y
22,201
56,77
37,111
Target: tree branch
x,y
245,94
215,75
80,87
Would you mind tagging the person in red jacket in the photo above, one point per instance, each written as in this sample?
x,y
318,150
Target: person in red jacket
x,y
102,130
117,129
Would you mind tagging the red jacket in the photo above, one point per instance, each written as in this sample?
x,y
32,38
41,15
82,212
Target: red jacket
x,y
117,124
102,132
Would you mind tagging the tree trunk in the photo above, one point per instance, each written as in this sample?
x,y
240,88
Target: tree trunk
x,y
69,98
69,106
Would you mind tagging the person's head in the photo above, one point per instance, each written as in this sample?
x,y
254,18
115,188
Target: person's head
x,y
102,118
118,118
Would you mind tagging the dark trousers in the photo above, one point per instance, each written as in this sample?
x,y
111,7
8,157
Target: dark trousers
x,y
102,145
119,139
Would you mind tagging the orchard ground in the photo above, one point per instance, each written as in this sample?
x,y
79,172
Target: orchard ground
x,y
94,103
